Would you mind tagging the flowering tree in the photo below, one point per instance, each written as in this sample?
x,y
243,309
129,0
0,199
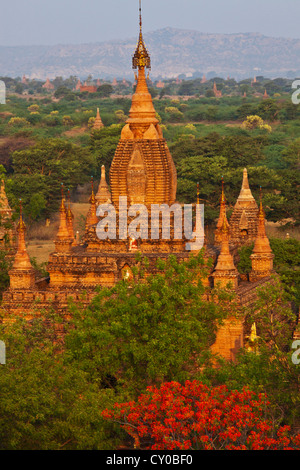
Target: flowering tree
x,y
254,122
194,416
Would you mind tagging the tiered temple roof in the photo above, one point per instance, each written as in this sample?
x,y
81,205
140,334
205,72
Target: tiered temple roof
x,y
243,221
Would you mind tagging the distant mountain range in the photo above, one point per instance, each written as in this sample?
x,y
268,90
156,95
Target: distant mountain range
x,y
173,52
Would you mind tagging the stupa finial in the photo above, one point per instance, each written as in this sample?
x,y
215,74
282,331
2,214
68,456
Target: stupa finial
x,y
222,216
22,274
92,218
141,57
21,225
222,199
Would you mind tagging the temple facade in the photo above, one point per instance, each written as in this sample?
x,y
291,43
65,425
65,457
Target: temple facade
x,y
142,175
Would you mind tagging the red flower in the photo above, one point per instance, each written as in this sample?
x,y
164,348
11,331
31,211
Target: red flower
x,y
194,416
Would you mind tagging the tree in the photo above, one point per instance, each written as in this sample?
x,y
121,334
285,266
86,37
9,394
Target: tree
x,y
46,403
41,168
255,122
105,90
268,109
104,143
148,329
196,417
173,114
265,364
291,155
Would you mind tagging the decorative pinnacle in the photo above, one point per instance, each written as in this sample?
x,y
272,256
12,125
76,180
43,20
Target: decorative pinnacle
x,y
62,206
69,212
92,198
140,10
198,194
225,228
141,58
21,224
261,213
222,200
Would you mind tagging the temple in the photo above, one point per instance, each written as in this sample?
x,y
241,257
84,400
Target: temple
x,y
217,93
142,175
98,124
48,85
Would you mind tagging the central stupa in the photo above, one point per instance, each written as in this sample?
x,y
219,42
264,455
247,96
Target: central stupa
x,y
142,168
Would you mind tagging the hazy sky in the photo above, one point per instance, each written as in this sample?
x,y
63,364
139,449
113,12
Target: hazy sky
x,y
47,22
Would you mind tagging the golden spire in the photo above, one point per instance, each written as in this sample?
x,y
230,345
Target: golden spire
x,y
98,124
142,116
262,255
225,271
22,254
92,218
63,232
103,195
141,58
142,168
225,238
245,198
63,240
222,216
22,275
199,229
262,244
70,219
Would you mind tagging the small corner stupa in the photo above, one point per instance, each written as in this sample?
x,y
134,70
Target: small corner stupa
x,y
222,217
22,273
262,255
225,272
103,195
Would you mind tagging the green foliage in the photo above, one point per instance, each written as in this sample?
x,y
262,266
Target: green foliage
x,y
286,264
147,330
103,145
36,206
105,90
40,170
44,403
244,264
268,110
